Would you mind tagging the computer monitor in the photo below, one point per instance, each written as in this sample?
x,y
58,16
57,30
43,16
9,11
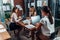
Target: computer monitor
x,y
35,19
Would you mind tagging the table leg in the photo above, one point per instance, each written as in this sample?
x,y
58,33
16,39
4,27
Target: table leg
x,y
32,35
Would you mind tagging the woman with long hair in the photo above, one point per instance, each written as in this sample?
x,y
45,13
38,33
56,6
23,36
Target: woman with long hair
x,y
14,19
46,24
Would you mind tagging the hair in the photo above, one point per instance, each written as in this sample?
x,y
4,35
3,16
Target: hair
x,y
47,10
14,8
31,6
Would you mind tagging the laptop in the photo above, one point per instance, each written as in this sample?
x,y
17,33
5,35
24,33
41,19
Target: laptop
x,y
35,19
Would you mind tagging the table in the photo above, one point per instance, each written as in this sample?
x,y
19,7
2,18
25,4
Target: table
x,y
32,35
3,34
1,38
32,31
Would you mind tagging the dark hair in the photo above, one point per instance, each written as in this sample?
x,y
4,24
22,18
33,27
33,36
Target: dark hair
x,y
31,6
47,10
13,10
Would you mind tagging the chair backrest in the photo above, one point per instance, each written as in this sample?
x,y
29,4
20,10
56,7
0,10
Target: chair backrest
x,y
57,38
53,35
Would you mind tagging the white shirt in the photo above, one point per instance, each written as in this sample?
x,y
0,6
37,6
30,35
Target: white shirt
x,y
14,17
47,28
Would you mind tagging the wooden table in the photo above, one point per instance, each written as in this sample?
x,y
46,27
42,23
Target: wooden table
x,y
5,35
1,38
32,33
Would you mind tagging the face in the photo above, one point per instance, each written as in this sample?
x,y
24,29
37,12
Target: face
x,y
32,9
16,10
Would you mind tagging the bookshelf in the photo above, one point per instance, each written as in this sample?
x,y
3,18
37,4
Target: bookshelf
x,y
5,9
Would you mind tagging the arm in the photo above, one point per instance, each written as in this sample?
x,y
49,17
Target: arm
x,y
35,13
21,23
38,25
16,18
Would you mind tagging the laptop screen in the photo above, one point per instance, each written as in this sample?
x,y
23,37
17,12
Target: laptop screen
x,y
35,19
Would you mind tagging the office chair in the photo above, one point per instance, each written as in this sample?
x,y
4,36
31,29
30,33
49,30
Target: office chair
x,y
53,35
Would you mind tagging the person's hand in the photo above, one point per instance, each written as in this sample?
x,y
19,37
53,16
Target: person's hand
x,y
20,17
38,26
33,29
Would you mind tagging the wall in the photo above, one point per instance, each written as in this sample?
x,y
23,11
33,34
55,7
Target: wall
x,y
19,2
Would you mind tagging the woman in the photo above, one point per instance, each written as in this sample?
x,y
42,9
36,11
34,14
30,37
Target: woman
x,y
46,24
15,19
32,11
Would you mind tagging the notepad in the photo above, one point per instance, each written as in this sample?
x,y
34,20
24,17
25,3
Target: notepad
x,y
1,26
26,21
29,26
2,30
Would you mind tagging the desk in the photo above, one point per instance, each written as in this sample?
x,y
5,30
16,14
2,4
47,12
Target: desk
x,y
1,38
5,35
32,33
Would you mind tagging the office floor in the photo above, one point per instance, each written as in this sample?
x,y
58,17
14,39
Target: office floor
x,y
23,37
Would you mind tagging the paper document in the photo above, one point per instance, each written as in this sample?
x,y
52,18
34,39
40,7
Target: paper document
x,y
1,26
29,26
2,30
26,21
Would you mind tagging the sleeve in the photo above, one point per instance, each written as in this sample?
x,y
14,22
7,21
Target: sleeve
x,y
16,18
42,21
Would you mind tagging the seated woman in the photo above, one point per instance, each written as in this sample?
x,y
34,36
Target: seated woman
x,y
46,24
32,11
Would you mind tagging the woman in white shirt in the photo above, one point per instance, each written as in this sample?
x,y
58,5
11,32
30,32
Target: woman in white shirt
x,y
32,11
46,24
15,19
